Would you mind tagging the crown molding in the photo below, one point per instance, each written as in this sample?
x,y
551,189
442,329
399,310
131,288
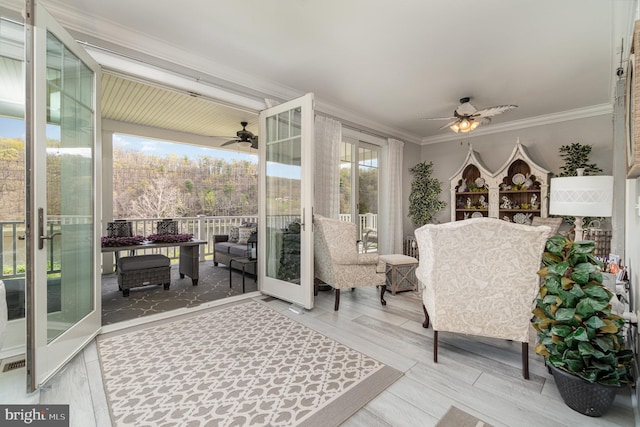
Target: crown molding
x,y
563,116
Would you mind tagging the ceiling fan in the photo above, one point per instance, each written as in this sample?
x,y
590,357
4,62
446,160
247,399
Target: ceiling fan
x,y
466,117
245,138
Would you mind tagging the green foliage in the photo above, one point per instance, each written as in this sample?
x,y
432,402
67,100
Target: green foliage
x,y
576,328
576,156
423,200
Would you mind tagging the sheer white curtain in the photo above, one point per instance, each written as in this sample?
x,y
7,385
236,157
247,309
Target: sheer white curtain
x,y
328,135
390,218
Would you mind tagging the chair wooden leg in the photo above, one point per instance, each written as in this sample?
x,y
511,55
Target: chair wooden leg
x,y
435,346
335,307
426,317
382,291
525,360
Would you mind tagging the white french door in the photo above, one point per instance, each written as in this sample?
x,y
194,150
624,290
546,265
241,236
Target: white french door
x,y
62,115
285,231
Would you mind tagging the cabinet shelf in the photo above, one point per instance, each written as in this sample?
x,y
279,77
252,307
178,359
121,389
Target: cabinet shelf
x,y
519,191
520,210
472,210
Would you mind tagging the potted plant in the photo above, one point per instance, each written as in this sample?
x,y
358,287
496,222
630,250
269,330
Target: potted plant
x,y
425,190
580,338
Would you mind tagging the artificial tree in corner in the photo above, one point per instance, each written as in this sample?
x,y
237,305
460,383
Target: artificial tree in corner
x,y
580,338
576,156
425,190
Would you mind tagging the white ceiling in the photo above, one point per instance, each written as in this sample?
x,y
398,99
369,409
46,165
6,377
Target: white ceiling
x,y
383,64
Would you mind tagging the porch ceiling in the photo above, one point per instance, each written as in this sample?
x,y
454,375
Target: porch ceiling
x,y
144,104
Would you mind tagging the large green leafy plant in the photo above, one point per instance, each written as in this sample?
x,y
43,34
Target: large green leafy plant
x,y
425,190
577,330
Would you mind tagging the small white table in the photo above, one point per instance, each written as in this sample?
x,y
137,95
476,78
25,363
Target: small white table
x,y
401,272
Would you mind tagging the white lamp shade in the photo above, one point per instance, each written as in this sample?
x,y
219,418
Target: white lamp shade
x,y
581,196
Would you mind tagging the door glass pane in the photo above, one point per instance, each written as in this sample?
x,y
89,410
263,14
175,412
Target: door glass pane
x,y
346,176
69,188
368,162
283,196
12,166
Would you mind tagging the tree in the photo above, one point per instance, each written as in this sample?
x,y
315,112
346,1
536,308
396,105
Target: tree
x,y
423,199
159,199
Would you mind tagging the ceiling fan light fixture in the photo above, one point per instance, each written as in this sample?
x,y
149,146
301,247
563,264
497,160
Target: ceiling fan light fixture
x,y
244,144
465,125
474,124
454,127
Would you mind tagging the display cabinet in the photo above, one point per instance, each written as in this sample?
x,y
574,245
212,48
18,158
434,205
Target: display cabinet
x,y
522,187
470,189
516,193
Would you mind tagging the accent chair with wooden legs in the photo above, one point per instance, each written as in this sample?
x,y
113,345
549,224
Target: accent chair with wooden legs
x,y
479,278
338,262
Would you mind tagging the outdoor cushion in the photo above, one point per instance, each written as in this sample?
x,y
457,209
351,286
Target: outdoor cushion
x,y
239,250
234,233
141,262
224,246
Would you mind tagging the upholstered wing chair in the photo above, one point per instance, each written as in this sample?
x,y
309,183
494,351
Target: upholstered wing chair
x,y
479,278
337,261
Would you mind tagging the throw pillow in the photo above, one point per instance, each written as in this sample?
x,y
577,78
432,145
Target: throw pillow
x,y
245,233
234,234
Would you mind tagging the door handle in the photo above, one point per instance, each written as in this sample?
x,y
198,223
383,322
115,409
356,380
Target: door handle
x,y
41,235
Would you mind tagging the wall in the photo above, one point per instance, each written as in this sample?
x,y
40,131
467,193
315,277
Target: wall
x,y
542,144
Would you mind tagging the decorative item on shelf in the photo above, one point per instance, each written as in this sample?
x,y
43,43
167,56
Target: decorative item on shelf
x,y
463,187
528,182
483,202
169,238
121,241
522,218
518,179
580,338
468,203
477,215
534,201
167,226
505,187
506,218
479,182
506,203
465,215
581,196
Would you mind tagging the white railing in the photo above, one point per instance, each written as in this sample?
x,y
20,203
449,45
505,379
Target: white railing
x,y
365,221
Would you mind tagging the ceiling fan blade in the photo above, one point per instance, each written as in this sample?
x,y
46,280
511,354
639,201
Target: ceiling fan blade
x,y
448,124
438,118
494,111
233,141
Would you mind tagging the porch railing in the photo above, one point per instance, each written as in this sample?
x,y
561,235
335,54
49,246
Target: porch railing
x,y
12,244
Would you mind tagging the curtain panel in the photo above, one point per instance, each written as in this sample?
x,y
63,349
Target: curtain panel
x,y
328,135
390,219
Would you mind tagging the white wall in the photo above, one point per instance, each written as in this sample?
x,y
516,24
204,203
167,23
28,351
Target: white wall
x,y
542,143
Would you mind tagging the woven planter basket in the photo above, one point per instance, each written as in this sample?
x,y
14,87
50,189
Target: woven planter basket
x,y
590,399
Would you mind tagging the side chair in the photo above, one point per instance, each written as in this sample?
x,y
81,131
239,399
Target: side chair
x,y
338,262
479,278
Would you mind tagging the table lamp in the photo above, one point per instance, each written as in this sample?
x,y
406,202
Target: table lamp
x,y
581,196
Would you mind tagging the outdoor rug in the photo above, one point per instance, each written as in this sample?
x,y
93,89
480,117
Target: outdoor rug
x,y
213,285
458,418
237,365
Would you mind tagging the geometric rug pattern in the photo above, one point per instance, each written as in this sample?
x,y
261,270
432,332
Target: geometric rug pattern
x,y
239,365
213,285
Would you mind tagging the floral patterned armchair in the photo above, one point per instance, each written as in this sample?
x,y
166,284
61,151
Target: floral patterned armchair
x,y
479,278
337,261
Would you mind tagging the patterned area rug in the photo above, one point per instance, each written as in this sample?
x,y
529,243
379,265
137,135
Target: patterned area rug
x,y
458,418
212,285
239,365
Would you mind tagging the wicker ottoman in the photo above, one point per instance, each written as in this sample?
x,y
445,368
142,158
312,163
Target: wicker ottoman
x,y
401,272
143,270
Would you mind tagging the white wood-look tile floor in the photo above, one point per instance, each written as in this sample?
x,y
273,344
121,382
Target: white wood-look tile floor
x,y
480,376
